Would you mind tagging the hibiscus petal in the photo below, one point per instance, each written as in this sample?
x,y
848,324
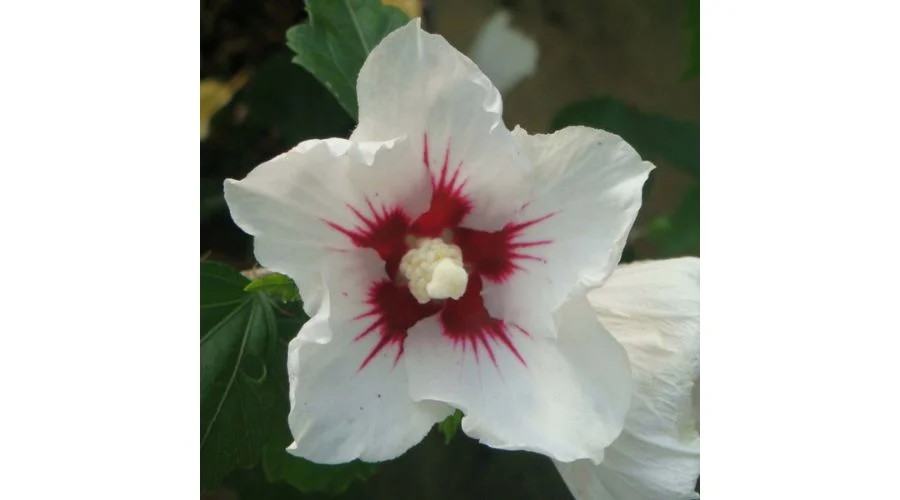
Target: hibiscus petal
x,y
586,194
565,398
416,84
349,398
653,309
324,197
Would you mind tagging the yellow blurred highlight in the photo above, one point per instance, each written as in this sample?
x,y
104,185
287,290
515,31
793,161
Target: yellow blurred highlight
x,y
412,8
214,95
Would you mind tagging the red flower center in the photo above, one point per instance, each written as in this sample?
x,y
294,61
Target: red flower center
x,y
492,256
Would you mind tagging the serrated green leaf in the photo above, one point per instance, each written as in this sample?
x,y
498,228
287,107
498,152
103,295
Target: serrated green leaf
x,y
450,425
653,136
337,39
275,285
310,477
243,393
680,233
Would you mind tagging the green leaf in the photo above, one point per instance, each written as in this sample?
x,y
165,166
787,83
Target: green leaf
x,y
653,136
450,425
275,285
337,39
310,477
243,393
680,233
693,29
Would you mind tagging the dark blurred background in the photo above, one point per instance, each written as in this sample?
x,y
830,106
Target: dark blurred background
x,y
632,51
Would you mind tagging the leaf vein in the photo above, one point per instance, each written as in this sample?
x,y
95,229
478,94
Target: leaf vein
x,y
222,322
362,37
231,379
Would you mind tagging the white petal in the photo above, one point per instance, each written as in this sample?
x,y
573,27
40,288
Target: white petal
x,y
505,54
586,194
568,399
653,309
288,202
415,84
341,411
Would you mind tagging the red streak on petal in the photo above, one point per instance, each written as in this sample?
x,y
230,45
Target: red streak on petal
x,y
467,323
449,206
384,230
395,311
496,255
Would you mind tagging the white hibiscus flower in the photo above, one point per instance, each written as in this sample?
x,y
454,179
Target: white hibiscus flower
x,y
653,309
440,256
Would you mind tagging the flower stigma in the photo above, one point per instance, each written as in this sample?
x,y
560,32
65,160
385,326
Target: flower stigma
x,y
434,270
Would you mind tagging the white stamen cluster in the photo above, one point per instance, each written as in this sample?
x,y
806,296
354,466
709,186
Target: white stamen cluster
x,y
435,270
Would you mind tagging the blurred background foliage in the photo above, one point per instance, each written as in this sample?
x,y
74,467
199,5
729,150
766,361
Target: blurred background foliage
x,y
627,66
